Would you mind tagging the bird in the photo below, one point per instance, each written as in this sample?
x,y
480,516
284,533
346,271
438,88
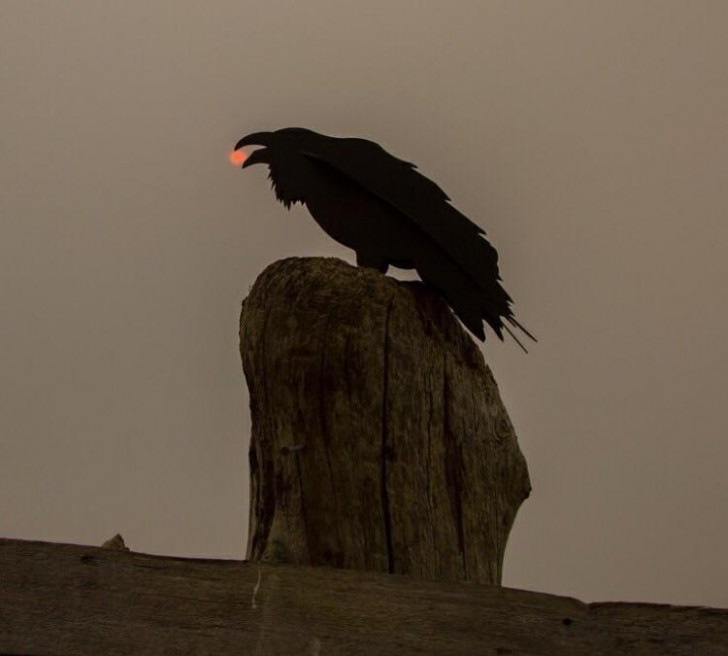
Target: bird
x,y
385,210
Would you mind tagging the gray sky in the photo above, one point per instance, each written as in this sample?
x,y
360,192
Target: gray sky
x,y
588,138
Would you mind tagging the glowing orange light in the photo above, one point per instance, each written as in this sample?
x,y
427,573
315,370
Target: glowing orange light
x,y
237,157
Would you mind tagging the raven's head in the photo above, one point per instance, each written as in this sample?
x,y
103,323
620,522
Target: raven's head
x,y
284,153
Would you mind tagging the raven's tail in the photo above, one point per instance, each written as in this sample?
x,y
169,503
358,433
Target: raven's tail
x,y
515,323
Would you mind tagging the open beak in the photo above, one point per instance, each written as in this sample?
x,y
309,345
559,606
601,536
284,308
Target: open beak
x,y
255,139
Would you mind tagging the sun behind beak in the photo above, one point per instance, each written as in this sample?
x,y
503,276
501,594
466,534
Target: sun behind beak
x,y
257,156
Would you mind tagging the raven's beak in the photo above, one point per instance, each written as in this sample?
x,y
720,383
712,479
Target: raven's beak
x,y
255,139
259,156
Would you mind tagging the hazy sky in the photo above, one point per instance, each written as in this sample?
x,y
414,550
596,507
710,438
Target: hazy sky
x,y
589,139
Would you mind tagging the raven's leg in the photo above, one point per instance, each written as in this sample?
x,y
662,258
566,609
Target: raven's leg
x,y
371,261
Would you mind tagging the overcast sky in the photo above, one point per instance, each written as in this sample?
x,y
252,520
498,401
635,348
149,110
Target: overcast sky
x,y
588,138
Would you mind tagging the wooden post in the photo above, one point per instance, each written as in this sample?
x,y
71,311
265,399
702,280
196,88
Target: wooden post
x,y
379,440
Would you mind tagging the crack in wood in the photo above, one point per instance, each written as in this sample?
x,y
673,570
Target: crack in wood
x,y
428,470
386,511
326,434
453,468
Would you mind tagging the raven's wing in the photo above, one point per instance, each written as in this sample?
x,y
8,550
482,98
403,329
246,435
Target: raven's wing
x,y
400,185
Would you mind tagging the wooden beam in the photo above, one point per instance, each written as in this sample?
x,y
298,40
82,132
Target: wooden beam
x,y
70,600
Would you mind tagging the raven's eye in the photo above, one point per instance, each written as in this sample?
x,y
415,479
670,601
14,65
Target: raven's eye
x,y
237,157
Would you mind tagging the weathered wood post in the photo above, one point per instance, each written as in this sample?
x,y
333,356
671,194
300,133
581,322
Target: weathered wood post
x,y
379,440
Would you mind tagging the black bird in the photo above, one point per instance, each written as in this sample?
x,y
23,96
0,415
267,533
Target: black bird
x,y
390,214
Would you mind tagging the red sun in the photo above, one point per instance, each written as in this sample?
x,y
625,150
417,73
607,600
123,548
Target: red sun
x,y
237,157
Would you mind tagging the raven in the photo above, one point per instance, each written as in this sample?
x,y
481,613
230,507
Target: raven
x,y
389,214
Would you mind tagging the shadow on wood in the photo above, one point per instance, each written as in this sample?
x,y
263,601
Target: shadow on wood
x,y
379,440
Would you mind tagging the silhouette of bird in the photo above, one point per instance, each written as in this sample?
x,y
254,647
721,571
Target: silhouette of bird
x,y
389,214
